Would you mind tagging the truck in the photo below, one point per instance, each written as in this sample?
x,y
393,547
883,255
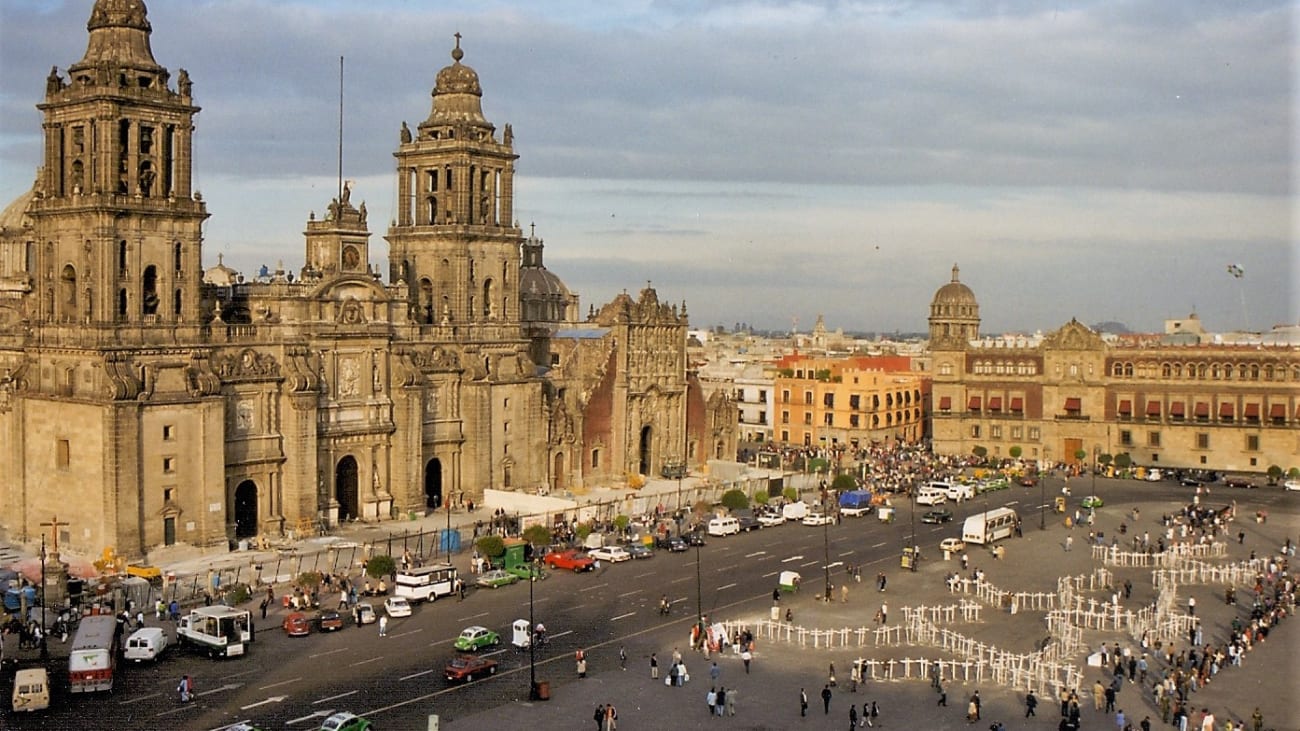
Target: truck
x,y
855,503
218,630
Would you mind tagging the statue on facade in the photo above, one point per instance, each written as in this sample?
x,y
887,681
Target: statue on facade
x,y
406,134
184,84
53,83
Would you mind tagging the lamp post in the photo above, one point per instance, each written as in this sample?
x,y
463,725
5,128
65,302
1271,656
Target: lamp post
x,y
826,545
45,651
532,641
699,595
1042,490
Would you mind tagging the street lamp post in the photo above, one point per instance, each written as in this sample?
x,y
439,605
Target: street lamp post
x,y
826,544
1042,489
45,651
532,638
699,595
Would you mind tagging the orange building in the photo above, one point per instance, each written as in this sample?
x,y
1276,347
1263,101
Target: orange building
x,y
851,401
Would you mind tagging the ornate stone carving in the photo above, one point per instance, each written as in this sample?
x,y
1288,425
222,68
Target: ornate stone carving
x,y
247,364
349,377
200,380
123,384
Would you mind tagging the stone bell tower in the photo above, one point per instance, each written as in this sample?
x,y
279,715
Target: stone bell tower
x,y
119,227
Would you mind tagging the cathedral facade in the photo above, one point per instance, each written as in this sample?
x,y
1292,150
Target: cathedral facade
x,y
150,403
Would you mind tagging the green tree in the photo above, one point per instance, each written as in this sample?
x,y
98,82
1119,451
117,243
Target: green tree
x,y
582,531
735,500
309,579
1293,473
790,494
980,451
1274,474
761,497
621,522
380,566
844,483
538,535
490,546
1015,452
1104,459
1080,454
1123,460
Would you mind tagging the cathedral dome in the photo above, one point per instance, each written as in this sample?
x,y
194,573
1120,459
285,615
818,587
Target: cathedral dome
x,y
119,14
540,282
14,217
458,78
954,292
457,99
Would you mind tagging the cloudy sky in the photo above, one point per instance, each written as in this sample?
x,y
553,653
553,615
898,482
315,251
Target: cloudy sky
x,y
767,160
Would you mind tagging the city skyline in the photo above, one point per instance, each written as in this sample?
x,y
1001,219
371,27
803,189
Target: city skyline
x,y
765,161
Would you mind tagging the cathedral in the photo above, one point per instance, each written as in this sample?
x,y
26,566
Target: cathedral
x,y
156,406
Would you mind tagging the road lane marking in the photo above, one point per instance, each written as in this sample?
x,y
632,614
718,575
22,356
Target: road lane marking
x,y
561,634
415,675
622,616
272,699
1013,502
770,574
330,698
630,593
642,576
846,553
222,689
408,632
472,616
317,714
276,685
136,700
183,707
236,675
494,652
331,652
726,586
878,545
366,662
814,562
833,565
684,578
792,558
755,553
588,588
441,642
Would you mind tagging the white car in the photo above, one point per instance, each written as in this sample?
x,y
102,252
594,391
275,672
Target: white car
x,y
817,519
396,606
770,519
1291,485
952,545
613,554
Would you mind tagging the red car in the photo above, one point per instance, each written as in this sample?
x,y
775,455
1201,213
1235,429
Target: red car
x,y
296,625
466,667
571,559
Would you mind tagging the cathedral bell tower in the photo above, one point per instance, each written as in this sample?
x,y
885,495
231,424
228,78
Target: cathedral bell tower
x,y
119,227
453,241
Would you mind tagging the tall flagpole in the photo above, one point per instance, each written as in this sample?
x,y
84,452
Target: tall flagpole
x,y
340,129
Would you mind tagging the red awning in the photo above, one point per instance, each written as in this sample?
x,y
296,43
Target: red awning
x,y
974,403
1153,408
1125,407
1017,404
945,403
1202,409
1072,404
1176,408
1225,409
1252,411
1277,411
995,403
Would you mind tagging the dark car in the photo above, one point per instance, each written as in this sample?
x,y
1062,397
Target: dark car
x,y
675,544
1189,482
1238,482
1029,481
466,667
695,538
939,515
640,550
747,521
329,620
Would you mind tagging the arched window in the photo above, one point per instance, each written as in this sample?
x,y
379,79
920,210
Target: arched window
x,y
177,261
176,303
488,300
1128,370
1117,369
121,257
149,291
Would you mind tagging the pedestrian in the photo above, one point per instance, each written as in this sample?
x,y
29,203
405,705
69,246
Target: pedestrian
x,y
965,561
803,703
580,657
1119,720
935,673
853,717
720,705
872,714
745,657
622,657
776,595
1031,703
826,699
844,593
975,701
880,580
1257,720
383,625
654,667
714,671
1069,542
972,711
943,697
884,614
185,689
711,699
611,717
599,717
265,603
1191,606
158,608
831,677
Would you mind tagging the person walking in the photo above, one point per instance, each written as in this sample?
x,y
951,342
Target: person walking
x,y
185,689
383,625
599,717
826,699
803,703
745,657
871,714
654,667
943,697
1031,702
975,701
853,717
622,657
1069,542
731,702
884,613
715,672
880,580
611,717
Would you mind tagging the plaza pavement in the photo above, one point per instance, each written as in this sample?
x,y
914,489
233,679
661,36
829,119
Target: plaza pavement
x,y
768,697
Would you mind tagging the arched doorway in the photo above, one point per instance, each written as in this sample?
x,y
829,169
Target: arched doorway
x,y
345,488
433,484
557,473
246,509
644,451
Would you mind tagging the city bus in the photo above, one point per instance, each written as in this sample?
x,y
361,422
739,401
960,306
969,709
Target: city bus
x,y
427,583
94,655
989,526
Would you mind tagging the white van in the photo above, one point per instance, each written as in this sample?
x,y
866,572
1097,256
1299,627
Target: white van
x,y
955,490
795,511
31,690
146,643
724,526
931,496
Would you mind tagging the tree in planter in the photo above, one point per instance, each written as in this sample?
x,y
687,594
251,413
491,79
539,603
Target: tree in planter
x,y
1080,455
790,494
380,566
538,535
761,497
1015,452
309,580
582,531
621,522
1274,474
491,547
1104,459
1123,461
1293,473
980,452
844,483
735,500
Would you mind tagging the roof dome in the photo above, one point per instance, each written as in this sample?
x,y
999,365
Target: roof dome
x,y
14,217
540,282
954,292
457,95
119,14
458,78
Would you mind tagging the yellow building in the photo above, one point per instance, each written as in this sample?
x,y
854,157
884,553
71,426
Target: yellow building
x,y
846,402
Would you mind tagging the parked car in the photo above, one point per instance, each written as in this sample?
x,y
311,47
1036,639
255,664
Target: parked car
x,y
639,551
1029,481
1238,482
464,668
364,613
673,544
476,638
747,520
952,545
397,606
817,519
329,620
1291,485
613,554
525,571
769,518
496,578
695,538
1189,482
571,560
936,516
344,721
296,625
1092,501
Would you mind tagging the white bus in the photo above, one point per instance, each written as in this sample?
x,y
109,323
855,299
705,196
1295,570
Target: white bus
x,y
427,583
989,526
94,655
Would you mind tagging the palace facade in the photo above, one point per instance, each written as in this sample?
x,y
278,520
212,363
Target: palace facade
x,y
153,404
1073,395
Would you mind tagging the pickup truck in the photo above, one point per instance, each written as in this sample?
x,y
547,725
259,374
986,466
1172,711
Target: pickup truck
x,y
218,630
